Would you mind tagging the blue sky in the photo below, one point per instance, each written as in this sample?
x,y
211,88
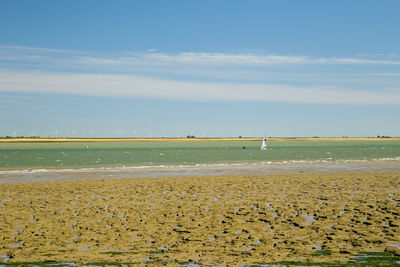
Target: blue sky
x,y
208,68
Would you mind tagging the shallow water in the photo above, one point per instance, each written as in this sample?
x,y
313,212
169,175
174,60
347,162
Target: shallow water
x,y
35,175
74,154
24,162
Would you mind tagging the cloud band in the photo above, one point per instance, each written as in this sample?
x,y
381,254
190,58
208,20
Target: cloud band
x,y
137,86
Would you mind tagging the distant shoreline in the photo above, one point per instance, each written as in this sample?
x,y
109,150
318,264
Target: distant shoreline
x,y
204,139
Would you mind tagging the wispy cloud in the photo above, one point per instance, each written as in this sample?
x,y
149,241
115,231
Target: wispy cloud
x,y
223,58
26,49
202,76
204,58
235,59
344,61
136,86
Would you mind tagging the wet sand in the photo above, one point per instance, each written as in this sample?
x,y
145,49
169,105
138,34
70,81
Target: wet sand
x,y
217,220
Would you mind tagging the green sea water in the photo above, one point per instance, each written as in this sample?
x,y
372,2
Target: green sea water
x,y
79,154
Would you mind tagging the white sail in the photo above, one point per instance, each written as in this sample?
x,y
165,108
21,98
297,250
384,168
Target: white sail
x,y
264,144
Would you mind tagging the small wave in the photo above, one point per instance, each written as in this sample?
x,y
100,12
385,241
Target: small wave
x,y
224,165
388,159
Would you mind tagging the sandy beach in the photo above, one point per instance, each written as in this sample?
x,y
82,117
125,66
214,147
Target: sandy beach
x,y
61,139
216,220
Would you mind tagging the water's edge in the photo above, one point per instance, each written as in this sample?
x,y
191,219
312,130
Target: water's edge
x,y
236,168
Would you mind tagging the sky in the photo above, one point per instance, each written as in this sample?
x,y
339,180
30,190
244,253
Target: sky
x,y
151,68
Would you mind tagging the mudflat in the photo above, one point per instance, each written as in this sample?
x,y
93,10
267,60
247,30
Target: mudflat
x,y
213,220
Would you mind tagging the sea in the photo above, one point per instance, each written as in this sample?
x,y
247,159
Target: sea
x,y
36,161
